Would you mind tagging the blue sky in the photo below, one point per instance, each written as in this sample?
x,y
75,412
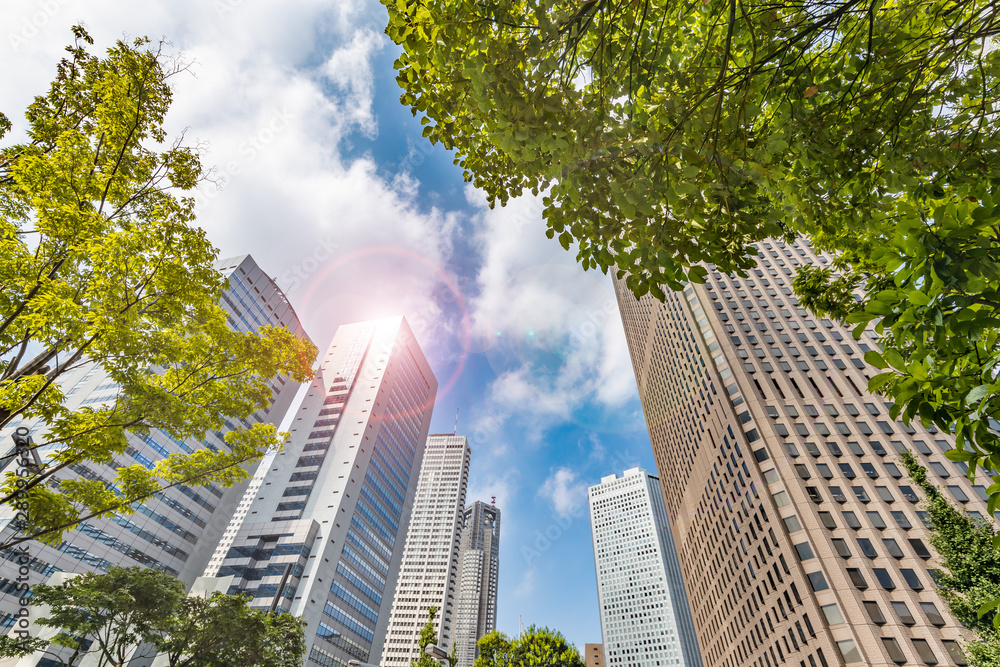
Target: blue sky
x,y
323,177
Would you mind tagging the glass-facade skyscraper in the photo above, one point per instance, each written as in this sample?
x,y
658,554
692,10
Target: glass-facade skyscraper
x,y
799,537
428,575
177,530
323,538
645,618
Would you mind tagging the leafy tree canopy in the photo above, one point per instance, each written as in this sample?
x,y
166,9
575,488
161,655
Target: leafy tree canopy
x,y
668,135
100,262
969,581
537,647
108,616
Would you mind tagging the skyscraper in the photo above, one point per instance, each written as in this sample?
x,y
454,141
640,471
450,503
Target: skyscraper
x,y
799,537
177,530
323,538
429,571
645,617
478,577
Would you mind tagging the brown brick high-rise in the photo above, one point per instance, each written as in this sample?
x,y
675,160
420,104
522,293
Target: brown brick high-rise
x,y
801,541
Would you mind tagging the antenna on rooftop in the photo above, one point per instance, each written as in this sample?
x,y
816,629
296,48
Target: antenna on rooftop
x,y
494,498
456,422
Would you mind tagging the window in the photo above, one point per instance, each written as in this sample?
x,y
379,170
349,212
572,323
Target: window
x,y
802,470
863,428
903,613
837,495
893,470
931,612
891,647
872,410
911,579
884,580
792,450
840,545
877,447
924,651
955,651
855,448
818,581
892,547
874,612
771,476
939,469
801,429
792,523
876,520
832,613
804,551
834,449
908,493
811,411
812,449
843,428
958,493
851,410
781,499
847,471
826,518
814,495
857,578
886,428
867,549
831,410
918,547
849,650
824,471
851,519
885,494
782,430
861,494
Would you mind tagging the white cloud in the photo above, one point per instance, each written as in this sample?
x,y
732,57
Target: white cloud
x,y
565,492
274,93
551,330
527,584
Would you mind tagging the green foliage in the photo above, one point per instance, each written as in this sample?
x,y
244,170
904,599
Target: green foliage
x,y
117,611
934,299
224,631
665,134
100,262
537,647
428,635
969,578
126,607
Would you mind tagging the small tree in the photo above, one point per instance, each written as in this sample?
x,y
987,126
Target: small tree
x,y
100,263
969,580
108,616
225,630
428,635
537,647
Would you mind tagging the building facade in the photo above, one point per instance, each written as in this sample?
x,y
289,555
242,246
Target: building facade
x,y
177,530
478,577
594,655
428,575
323,538
645,618
799,537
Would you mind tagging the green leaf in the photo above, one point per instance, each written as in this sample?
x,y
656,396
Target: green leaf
x,y
875,359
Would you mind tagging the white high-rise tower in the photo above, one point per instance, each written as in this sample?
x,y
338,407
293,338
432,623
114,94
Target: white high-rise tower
x,y
429,572
645,618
